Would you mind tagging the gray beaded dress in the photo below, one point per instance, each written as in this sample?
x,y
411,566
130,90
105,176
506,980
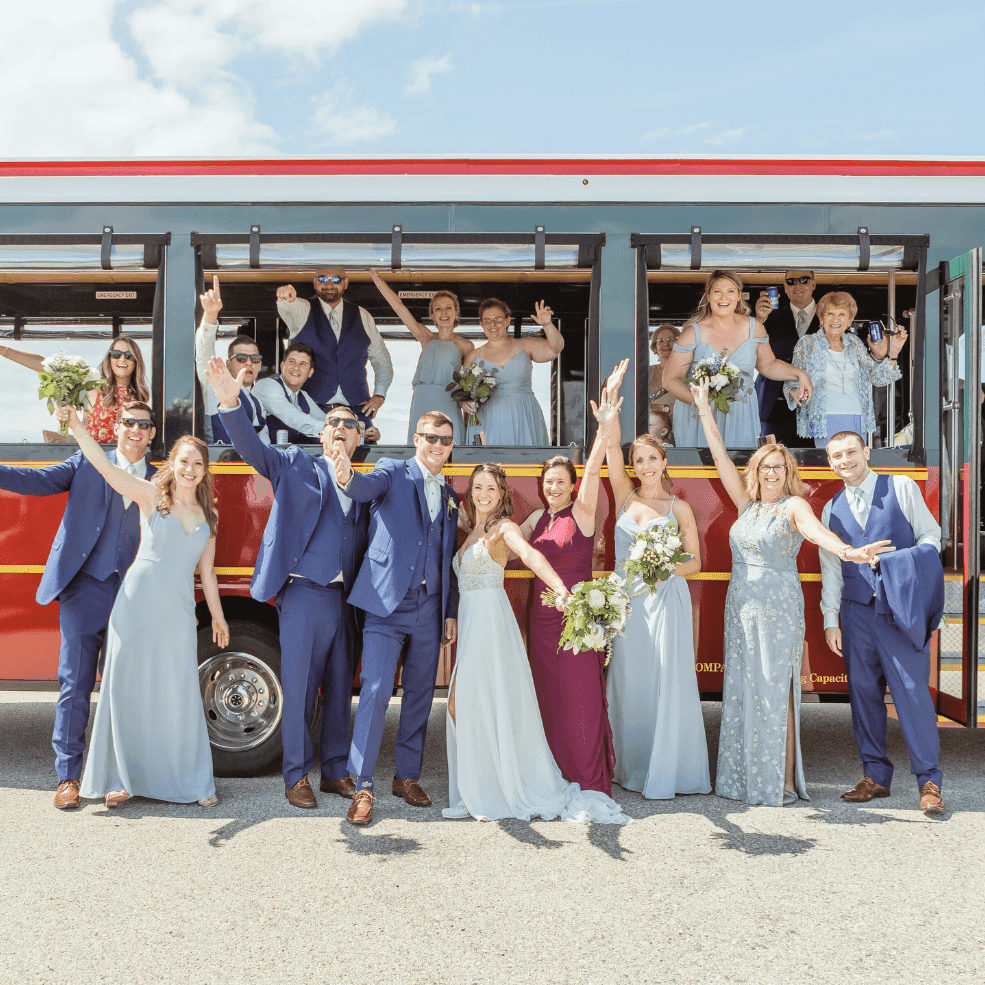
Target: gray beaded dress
x,y
149,736
764,645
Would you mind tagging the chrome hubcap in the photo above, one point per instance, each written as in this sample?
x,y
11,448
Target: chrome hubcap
x,y
242,698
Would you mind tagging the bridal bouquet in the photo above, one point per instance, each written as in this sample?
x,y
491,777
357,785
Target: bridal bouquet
x,y
595,614
473,385
725,381
65,380
653,556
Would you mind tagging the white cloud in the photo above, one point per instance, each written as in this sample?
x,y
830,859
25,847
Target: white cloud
x,y
344,124
654,134
421,72
726,136
692,129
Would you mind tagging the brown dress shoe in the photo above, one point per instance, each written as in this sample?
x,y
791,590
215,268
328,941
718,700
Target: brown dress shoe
x,y
361,812
301,794
67,796
864,791
930,799
344,787
412,792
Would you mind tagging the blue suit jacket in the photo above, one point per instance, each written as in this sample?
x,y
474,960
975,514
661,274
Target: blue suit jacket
x,y
398,522
89,499
300,495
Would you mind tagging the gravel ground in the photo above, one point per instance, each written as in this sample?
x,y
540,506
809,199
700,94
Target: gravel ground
x,y
697,890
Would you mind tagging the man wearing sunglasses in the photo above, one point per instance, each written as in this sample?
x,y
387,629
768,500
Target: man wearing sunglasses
x,y
243,356
310,550
409,593
343,337
785,326
95,544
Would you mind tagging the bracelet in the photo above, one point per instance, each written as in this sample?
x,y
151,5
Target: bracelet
x,y
705,414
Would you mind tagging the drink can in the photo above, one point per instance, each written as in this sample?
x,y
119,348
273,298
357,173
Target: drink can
x,y
875,331
773,293
281,437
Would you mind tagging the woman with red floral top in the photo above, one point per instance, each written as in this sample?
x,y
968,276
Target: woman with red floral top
x,y
123,379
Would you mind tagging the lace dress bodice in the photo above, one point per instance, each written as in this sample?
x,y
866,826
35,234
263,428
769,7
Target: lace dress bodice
x,y
476,569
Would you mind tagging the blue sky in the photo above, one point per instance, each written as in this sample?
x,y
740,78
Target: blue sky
x,y
467,77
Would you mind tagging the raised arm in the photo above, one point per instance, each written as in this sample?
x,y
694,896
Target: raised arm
x,y
607,412
587,502
543,350
420,332
678,365
211,302
510,534
30,360
145,494
293,310
210,589
727,471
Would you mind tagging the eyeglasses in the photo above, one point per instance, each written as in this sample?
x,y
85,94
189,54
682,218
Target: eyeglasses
x,y
122,354
131,422
773,468
790,281
242,357
445,439
490,322
329,279
348,422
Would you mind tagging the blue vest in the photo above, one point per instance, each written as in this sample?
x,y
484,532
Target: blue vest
x,y
429,556
885,522
118,541
338,362
331,547
253,406
275,424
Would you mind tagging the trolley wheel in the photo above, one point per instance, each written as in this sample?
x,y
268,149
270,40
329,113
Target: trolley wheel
x,y
242,698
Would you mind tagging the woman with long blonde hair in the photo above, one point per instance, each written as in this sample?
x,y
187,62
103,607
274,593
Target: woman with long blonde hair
x,y
759,758
149,738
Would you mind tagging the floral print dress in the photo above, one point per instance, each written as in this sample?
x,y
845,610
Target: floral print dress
x,y
101,420
764,645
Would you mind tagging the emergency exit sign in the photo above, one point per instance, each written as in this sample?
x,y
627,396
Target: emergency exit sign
x,y
116,295
417,295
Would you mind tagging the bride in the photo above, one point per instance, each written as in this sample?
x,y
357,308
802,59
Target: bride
x,y
499,763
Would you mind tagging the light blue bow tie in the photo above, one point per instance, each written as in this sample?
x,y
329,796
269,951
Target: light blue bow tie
x,y
438,480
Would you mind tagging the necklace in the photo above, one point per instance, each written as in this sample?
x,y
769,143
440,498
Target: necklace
x,y
553,514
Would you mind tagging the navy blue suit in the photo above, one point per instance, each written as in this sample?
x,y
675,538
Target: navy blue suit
x,y
407,588
95,544
308,542
775,416
880,649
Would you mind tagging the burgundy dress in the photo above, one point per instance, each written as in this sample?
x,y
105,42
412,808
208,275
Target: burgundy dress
x,y
570,687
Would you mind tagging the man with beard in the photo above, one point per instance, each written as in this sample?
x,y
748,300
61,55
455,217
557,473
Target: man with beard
x,y
312,546
342,336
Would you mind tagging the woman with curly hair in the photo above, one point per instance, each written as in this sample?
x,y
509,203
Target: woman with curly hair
x,y
149,738
122,376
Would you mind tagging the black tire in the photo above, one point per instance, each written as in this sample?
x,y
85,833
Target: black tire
x,y
242,698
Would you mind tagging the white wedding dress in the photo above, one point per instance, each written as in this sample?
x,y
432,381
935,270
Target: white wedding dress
x,y
499,763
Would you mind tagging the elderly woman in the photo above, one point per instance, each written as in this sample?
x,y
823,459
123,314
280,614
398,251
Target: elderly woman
x,y
723,327
843,371
661,345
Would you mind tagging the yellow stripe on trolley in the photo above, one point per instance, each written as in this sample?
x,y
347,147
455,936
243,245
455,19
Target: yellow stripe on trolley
x,y
21,569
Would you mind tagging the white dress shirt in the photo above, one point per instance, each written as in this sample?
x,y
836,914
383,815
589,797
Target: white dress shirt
x,y
432,489
285,407
925,531
803,323
295,314
204,351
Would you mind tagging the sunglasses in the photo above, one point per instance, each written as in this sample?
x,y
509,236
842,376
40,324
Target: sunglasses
x,y
143,423
121,354
790,281
348,422
329,279
431,439
242,357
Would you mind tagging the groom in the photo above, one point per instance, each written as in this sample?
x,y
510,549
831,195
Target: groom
x,y
410,595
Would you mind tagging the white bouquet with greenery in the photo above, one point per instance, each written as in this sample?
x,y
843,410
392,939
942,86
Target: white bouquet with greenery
x,y
595,613
654,554
65,380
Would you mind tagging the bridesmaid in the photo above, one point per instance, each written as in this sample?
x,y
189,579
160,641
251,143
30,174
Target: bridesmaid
x,y
654,707
570,686
512,415
123,380
442,354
